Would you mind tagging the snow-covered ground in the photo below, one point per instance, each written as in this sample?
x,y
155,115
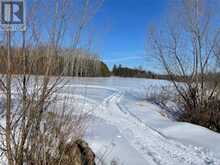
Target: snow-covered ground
x,y
129,130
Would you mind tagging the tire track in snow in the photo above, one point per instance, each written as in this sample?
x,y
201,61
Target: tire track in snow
x,y
150,143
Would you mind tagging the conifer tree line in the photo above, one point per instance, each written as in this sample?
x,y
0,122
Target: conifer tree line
x,y
121,71
127,72
130,72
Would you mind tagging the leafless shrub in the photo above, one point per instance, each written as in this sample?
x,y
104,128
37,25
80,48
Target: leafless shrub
x,y
160,94
30,132
186,48
167,99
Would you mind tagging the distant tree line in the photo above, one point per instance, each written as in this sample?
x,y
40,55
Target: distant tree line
x,y
140,73
129,72
69,62
137,72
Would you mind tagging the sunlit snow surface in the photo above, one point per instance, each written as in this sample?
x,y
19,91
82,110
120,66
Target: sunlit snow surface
x,y
129,130
125,128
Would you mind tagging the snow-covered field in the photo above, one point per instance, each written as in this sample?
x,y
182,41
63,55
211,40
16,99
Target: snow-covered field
x,y
127,129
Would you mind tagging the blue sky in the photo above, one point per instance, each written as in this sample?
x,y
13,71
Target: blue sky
x,y
122,30
119,30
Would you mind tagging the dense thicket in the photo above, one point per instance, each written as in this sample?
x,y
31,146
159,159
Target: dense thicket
x,y
66,62
104,71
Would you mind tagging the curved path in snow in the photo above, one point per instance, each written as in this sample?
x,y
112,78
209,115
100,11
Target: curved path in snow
x,y
152,145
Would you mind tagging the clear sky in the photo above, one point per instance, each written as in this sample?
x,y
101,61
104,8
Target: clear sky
x,y
119,30
122,30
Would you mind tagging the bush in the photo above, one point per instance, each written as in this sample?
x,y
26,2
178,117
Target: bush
x,y
208,114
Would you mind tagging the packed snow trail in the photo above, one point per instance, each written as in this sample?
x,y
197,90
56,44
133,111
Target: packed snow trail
x,y
156,148
150,143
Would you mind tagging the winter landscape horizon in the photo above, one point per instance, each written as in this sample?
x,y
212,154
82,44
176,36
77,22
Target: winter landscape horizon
x,y
109,82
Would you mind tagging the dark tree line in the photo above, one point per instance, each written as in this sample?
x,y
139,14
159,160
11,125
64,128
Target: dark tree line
x,y
130,72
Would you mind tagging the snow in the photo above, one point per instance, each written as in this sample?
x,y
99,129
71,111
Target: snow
x,y
129,130
126,128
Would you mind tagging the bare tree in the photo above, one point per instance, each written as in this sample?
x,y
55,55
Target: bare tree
x,y
186,48
33,132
